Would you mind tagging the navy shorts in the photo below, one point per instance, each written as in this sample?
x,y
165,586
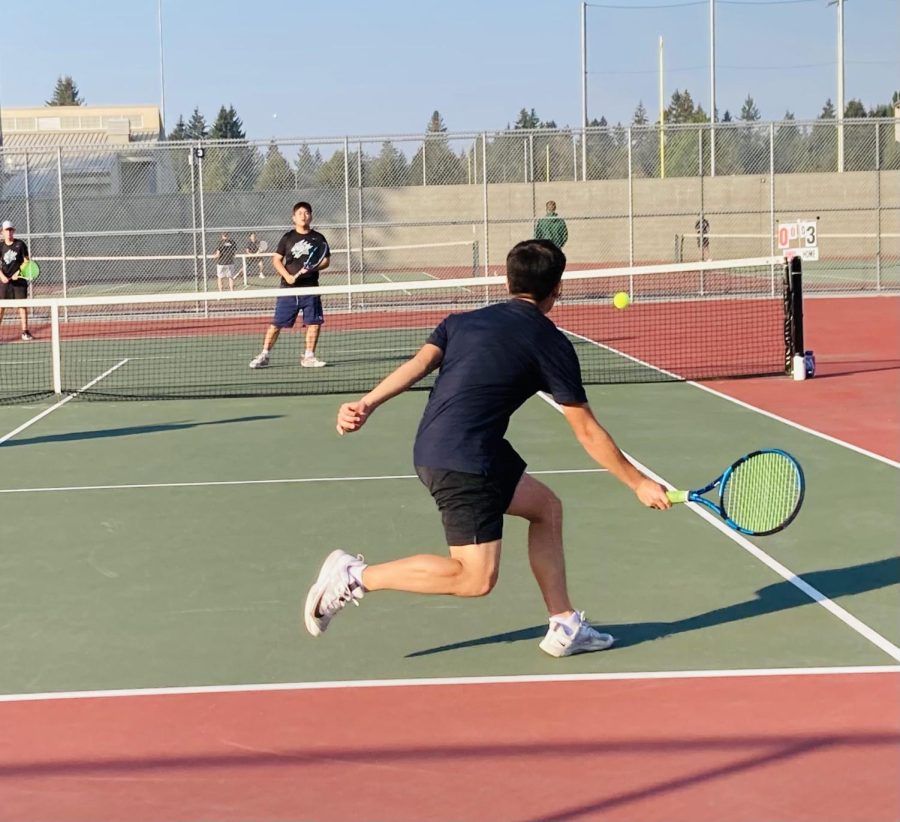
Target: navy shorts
x,y
14,290
472,505
288,308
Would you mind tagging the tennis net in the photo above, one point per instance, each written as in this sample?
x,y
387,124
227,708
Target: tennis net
x,y
685,322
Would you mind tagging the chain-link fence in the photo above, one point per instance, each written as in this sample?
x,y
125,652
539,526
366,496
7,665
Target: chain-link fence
x,y
140,219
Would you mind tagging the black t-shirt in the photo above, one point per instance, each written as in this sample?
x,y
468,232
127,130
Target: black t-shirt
x,y
227,249
296,250
252,246
12,256
495,358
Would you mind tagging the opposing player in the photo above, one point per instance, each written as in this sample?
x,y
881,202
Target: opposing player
x,y
224,257
301,254
13,255
491,361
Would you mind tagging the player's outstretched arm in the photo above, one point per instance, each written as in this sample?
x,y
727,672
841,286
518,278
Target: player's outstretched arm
x,y
353,415
601,447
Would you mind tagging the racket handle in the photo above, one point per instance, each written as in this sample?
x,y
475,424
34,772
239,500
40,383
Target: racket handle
x,y
677,496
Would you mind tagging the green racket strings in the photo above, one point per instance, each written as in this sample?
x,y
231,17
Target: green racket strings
x,y
762,493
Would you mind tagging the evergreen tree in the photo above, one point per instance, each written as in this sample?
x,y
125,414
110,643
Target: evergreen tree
x,y
65,93
823,142
276,172
180,132
434,163
527,119
231,167
196,127
640,115
228,126
789,148
388,169
331,172
749,111
307,166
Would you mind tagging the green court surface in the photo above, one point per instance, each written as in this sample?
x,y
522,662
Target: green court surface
x,y
156,544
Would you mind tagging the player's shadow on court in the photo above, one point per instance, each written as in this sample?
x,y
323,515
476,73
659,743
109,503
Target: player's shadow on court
x,y
133,430
833,583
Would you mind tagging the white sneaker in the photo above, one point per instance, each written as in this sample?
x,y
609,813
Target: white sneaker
x,y
564,640
311,362
260,361
333,589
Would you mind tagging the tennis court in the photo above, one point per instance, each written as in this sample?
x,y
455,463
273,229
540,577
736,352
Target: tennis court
x,y
155,663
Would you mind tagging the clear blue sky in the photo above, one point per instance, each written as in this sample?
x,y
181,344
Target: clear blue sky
x,y
358,67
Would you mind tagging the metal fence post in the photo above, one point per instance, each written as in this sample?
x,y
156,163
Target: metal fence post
x,y
199,155
27,202
359,199
772,224
630,202
62,225
347,211
877,207
484,198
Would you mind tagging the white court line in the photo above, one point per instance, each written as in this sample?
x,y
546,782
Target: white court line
x,y
210,483
782,570
771,415
61,403
797,425
456,681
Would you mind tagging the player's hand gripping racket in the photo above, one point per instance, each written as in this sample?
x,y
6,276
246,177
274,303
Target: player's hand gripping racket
x,y
759,494
29,271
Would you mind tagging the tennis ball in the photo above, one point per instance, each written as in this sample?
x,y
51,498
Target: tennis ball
x,y
621,300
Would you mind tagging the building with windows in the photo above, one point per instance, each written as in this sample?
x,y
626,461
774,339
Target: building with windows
x,y
100,150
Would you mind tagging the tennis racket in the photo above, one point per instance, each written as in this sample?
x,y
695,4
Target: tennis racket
x,y
263,247
759,494
316,255
29,271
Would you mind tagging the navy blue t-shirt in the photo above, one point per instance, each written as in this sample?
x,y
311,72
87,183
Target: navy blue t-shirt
x,y
495,358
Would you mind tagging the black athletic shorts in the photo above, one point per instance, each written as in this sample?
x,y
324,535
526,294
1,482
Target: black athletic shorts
x,y
14,290
472,505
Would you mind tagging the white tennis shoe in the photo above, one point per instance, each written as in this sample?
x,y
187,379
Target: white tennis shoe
x,y
332,590
565,640
311,362
260,361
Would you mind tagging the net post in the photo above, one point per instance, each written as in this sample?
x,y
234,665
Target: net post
x,y
794,319
55,349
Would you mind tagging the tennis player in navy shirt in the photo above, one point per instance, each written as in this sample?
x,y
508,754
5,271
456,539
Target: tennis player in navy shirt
x,y
491,361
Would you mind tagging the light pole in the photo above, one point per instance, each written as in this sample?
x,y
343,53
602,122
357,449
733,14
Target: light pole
x,y
584,111
712,88
662,115
162,73
840,79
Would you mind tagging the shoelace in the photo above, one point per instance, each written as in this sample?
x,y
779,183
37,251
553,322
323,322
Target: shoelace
x,y
329,605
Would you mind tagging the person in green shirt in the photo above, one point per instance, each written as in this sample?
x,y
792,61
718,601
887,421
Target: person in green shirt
x,y
552,227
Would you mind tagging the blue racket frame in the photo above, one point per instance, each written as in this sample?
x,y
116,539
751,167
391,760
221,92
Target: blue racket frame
x,y
722,483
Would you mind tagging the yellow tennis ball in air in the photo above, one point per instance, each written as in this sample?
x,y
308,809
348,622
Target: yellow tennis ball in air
x,y
621,300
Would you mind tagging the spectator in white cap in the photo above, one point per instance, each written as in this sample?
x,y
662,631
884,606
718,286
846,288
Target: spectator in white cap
x,y
13,255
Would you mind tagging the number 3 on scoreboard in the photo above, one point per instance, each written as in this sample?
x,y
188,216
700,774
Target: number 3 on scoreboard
x,y
808,231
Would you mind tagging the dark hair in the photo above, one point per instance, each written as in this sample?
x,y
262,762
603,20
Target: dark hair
x,y
534,267
301,204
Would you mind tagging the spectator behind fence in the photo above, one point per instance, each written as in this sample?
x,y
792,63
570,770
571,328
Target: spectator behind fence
x,y
702,229
552,227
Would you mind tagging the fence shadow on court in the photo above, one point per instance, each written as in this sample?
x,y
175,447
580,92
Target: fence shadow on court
x,y
133,430
833,583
